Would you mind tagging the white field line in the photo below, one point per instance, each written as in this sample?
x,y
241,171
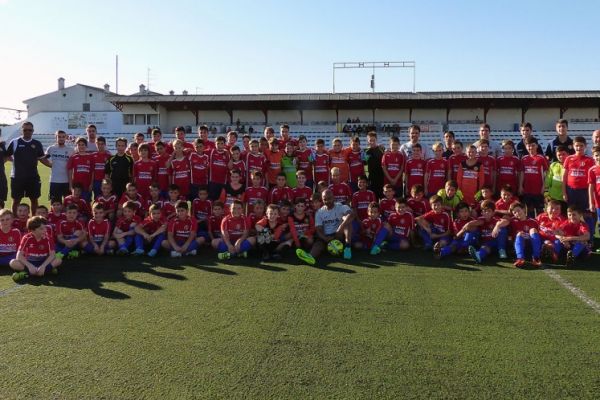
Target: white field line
x,y
580,294
8,291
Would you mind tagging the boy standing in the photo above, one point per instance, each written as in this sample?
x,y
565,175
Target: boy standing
x,y
58,155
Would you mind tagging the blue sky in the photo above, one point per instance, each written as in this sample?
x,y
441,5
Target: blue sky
x,y
277,47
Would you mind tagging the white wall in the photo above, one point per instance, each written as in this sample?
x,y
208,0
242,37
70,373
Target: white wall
x,y
70,99
429,114
290,117
396,115
543,119
581,113
503,119
318,115
213,117
246,116
466,114
184,118
366,116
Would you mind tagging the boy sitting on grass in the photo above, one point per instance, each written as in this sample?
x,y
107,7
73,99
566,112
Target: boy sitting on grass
x,y
36,256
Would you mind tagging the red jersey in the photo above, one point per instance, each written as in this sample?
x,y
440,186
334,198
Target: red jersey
x,y
361,201
418,207
454,162
255,193
199,169
356,165
162,172
150,226
229,195
235,227
279,194
549,225
273,165
139,202
36,250
369,228
9,241
574,229
576,170
594,180
402,224
144,174
82,205
302,193
201,209
241,166
437,170
168,210
54,219
305,159
181,175
533,169
394,164
507,172
98,230
340,159
182,228
214,225
341,192
502,205
218,166
388,207
255,162
302,227
486,228
523,226
488,163
82,166
20,224
125,224
109,202
99,163
441,221
415,173
321,168
68,229
458,224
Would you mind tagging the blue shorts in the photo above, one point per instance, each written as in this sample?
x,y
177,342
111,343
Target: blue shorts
x,y
7,258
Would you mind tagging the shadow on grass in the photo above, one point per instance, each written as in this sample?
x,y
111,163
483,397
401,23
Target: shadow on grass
x,y
215,270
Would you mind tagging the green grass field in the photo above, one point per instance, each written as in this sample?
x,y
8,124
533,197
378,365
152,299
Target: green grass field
x,y
391,326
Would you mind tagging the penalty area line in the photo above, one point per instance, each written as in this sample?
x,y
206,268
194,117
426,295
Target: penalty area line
x,y
580,294
10,290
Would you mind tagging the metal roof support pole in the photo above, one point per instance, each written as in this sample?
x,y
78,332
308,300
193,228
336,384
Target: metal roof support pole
x,y
266,114
230,112
301,116
447,115
562,111
410,115
524,110
485,113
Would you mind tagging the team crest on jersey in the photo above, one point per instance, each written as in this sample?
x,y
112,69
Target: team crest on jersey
x,y
41,247
583,164
401,220
238,226
476,169
33,146
10,239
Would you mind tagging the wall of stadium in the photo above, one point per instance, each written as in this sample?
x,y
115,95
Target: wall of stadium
x,y
542,119
397,115
314,116
291,117
503,119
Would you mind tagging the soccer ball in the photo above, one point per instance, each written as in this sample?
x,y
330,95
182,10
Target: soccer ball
x,y
335,247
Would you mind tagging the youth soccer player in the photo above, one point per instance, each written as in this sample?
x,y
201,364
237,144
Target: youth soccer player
x,y
508,166
124,232
235,238
572,236
575,180
397,230
201,209
362,199
132,196
554,178
151,232
199,164
305,158
9,238
99,159
435,225
98,230
488,162
531,178
492,237
338,159
238,163
470,177
288,165
269,234
85,213
162,171
462,239
321,164
369,226
455,159
414,173
506,200
255,162
274,156
119,168
22,217
340,189
301,226
356,162
392,164
179,166
525,232
417,202
144,171
214,221
181,233
218,169
80,166
36,255
70,234
234,190
108,200
594,182
436,171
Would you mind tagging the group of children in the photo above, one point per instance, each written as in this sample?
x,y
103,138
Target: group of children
x,y
183,197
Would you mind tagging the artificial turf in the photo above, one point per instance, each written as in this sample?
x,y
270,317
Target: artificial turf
x,y
399,325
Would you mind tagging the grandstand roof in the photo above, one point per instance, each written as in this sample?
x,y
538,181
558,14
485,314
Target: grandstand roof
x,y
503,99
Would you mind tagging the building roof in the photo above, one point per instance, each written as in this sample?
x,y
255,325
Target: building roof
x,y
590,98
69,87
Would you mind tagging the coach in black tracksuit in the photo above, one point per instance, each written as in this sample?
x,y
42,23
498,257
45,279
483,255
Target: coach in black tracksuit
x,y
119,168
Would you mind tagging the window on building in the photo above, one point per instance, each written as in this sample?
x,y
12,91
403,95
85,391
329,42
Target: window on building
x,y
86,106
140,119
152,119
127,119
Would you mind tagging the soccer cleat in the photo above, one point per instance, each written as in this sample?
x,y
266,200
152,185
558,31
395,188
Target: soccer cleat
x,y
437,251
138,252
175,254
520,263
54,271
536,262
375,250
59,255
19,276
224,255
502,254
191,253
73,254
306,257
122,251
570,262
152,253
473,253
347,253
